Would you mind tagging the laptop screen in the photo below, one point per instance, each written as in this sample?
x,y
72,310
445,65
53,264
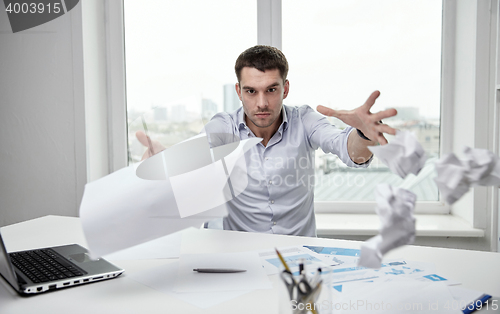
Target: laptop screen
x,y
6,268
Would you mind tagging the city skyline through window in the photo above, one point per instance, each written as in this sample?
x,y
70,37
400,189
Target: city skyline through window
x,y
341,52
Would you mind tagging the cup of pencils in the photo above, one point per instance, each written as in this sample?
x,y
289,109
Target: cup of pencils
x,y
307,287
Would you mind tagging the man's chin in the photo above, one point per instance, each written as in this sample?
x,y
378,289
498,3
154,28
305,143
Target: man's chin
x,y
263,124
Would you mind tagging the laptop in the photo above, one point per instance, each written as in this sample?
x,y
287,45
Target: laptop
x,y
41,270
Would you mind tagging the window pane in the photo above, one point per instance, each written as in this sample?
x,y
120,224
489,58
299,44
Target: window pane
x,y
341,51
180,64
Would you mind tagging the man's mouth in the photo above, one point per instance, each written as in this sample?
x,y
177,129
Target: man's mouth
x,y
262,114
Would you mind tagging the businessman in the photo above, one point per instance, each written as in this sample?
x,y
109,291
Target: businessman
x,y
279,197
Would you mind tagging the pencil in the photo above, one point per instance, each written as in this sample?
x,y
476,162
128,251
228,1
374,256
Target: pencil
x,y
310,299
283,260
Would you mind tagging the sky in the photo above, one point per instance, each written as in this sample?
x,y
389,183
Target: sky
x,y
338,51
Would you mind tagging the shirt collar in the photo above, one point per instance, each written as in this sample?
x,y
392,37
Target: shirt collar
x,y
241,119
284,124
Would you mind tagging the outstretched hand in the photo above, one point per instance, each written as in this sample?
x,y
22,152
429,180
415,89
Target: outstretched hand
x,y
153,146
362,119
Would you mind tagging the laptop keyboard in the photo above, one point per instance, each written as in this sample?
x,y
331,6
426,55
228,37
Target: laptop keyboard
x,y
44,265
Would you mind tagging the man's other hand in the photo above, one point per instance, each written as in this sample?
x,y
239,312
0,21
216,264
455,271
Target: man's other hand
x,y
153,147
362,119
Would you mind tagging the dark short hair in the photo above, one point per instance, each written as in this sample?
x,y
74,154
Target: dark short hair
x,y
262,58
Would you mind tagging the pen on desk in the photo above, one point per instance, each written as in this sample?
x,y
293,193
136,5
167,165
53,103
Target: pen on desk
x,y
316,277
283,261
219,270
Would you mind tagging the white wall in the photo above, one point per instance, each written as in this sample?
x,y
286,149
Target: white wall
x,y
42,118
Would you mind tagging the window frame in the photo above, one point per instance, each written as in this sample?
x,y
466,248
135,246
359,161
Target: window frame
x,y
116,82
104,87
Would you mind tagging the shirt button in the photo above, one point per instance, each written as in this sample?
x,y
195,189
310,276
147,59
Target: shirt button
x,y
270,182
271,201
267,158
274,222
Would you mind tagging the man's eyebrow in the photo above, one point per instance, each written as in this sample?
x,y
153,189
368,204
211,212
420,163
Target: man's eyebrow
x,y
253,88
274,85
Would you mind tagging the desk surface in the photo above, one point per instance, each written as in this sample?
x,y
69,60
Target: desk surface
x,y
475,270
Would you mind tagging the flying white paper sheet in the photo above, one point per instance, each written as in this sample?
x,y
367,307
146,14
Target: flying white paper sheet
x,y
455,177
124,209
193,167
121,210
403,155
395,210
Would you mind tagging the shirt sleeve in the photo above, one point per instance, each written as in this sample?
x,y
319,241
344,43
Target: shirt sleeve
x,y
322,134
220,130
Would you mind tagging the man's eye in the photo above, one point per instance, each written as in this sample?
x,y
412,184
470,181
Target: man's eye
x,y
271,90
250,91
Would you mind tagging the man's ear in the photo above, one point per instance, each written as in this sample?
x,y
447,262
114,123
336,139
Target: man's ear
x,y
238,90
286,88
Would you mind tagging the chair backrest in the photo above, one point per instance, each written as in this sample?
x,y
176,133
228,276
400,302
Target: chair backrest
x,y
213,224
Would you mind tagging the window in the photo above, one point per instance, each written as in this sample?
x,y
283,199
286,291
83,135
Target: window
x,y
373,44
341,52
180,64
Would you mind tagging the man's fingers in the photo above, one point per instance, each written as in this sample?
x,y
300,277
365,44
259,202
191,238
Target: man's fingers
x,y
381,115
384,128
146,155
142,137
381,139
371,100
326,111
153,147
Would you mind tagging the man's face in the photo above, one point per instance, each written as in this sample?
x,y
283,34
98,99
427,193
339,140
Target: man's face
x,y
262,94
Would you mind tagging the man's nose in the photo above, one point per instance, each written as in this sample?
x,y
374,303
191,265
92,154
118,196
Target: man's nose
x,y
262,101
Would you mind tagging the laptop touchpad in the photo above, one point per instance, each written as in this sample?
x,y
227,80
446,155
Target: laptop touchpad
x,y
80,257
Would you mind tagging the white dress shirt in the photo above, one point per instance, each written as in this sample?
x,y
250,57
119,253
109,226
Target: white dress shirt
x,y
279,197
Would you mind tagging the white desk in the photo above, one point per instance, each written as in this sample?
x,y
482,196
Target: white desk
x,y
475,270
